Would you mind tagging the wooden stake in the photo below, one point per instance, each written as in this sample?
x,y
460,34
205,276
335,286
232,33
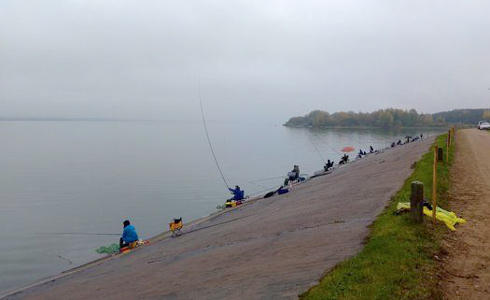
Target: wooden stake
x,y
434,188
448,142
417,201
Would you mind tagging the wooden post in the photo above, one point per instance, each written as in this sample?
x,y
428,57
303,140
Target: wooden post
x,y
416,201
434,188
439,154
448,143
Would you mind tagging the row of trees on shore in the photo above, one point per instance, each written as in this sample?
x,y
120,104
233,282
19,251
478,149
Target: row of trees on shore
x,y
386,118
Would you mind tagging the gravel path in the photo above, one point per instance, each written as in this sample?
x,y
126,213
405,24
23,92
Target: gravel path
x,y
273,248
466,267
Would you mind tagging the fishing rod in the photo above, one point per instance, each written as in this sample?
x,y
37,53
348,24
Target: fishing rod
x,y
75,233
266,189
333,149
265,179
316,148
209,140
259,185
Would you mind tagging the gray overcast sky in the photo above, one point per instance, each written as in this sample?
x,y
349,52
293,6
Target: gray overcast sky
x,y
256,59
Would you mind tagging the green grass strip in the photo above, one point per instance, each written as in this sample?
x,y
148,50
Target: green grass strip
x,y
397,259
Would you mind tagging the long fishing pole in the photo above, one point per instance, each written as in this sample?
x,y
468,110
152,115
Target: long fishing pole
x,y
75,233
316,148
327,144
209,140
266,189
264,179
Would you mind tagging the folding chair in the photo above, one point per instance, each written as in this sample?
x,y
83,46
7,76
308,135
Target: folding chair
x,y
175,226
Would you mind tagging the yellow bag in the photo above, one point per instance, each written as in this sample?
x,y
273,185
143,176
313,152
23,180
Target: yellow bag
x,y
448,217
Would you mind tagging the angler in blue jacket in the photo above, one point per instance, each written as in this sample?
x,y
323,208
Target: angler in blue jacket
x,y
238,194
129,235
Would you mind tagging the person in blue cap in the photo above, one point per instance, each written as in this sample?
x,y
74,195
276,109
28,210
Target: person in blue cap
x,y
129,235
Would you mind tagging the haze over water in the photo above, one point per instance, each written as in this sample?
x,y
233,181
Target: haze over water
x,y
61,180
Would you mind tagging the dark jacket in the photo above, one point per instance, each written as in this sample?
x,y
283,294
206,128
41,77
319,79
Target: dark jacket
x,y
237,193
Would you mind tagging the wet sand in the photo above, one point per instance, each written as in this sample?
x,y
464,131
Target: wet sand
x,y
274,248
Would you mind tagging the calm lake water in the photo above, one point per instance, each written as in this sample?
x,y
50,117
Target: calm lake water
x,y
61,180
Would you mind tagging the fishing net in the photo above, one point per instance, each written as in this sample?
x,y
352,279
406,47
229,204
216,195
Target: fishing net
x,y
112,249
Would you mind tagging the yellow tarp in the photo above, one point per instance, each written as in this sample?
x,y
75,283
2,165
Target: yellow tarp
x,y
448,217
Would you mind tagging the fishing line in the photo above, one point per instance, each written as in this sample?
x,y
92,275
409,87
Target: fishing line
x,y
327,145
209,140
267,189
56,255
318,151
259,185
270,178
75,233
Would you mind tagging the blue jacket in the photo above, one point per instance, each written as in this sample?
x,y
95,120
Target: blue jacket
x,y
129,234
237,194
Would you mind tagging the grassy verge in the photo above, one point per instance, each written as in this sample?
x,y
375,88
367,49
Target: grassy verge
x,y
397,259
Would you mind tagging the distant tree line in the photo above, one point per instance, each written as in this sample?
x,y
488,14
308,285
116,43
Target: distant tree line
x,y
464,116
387,118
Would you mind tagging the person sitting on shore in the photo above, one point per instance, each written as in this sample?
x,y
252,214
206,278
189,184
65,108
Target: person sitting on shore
x,y
294,174
344,159
399,143
328,165
371,149
238,194
129,235
393,145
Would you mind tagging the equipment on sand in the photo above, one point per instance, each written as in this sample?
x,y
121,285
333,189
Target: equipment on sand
x,y
133,245
448,217
280,191
175,226
114,248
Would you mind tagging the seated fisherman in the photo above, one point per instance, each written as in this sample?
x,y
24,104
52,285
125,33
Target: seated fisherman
x,y
328,165
344,159
129,235
237,193
294,174
371,149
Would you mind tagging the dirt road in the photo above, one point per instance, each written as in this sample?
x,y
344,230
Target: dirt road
x,y
273,248
466,267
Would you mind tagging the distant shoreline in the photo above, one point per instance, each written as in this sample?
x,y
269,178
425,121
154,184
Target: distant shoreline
x,y
367,127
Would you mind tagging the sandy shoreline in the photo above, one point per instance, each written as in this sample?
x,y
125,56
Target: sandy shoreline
x,y
271,248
